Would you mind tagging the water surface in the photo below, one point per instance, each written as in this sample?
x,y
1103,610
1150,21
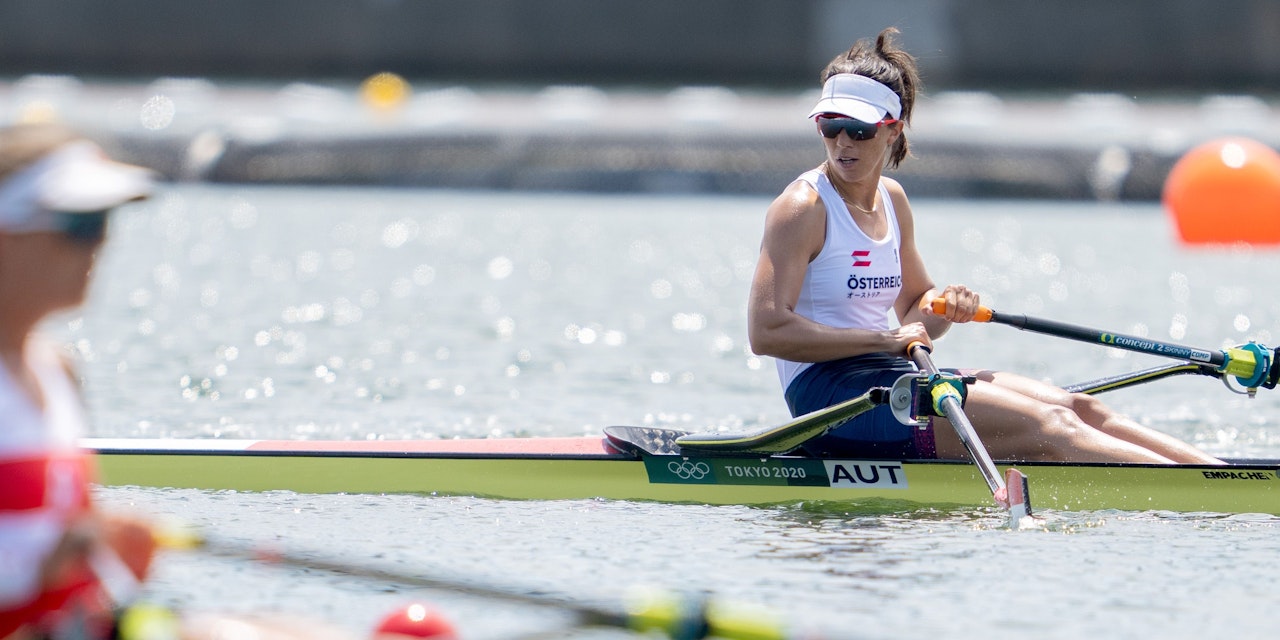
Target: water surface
x,y
305,313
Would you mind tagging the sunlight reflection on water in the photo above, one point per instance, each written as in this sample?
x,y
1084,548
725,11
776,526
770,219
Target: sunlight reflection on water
x,y
366,313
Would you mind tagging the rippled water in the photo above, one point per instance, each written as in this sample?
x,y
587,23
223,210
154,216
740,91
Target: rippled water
x,y
363,313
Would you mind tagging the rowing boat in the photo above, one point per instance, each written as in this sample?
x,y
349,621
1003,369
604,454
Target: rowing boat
x,y
618,466
642,463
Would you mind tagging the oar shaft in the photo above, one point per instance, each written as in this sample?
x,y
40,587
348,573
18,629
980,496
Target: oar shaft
x,y
787,437
954,413
268,555
1085,334
1252,364
1106,338
1133,378
670,615
1095,336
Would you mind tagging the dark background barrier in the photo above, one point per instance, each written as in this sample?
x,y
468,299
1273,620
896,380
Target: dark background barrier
x,y
1075,44
1087,98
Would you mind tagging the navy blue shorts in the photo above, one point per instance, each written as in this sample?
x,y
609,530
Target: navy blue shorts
x,y
874,434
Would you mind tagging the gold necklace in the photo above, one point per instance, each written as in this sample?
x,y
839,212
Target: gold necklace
x,y
855,205
848,201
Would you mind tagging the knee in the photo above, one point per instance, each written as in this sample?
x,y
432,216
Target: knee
x,y
1086,407
1062,418
1061,433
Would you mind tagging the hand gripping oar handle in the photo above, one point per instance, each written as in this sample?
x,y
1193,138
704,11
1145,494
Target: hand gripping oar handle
x,y
946,402
1251,364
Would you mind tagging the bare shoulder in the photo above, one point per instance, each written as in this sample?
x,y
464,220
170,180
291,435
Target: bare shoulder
x,y
796,223
896,191
68,360
45,352
901,206
798,199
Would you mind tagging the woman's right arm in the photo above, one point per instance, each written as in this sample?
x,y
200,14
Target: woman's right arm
x,y
795,229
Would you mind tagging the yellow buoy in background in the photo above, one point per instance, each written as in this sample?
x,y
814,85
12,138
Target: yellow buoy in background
x,y
1226,191
384,91
37,112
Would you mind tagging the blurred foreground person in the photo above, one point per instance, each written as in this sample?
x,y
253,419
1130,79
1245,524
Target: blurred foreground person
x,y
67,570
56,191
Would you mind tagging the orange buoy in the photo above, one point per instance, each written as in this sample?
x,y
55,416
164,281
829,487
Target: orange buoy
x,y
415,621
1226,191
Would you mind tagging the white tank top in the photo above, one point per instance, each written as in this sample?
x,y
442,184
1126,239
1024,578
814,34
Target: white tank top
x,y
854,280
45,472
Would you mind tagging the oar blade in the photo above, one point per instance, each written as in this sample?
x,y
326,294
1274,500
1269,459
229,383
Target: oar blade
x,y
1018,495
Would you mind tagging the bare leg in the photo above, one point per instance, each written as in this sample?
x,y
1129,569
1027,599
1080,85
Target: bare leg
x,y
1016,426
1095,413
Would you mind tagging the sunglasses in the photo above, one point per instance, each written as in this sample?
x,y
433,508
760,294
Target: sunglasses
x,y
82,226
831,125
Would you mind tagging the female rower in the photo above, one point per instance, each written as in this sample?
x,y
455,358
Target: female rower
x,y
55,192
839,253
66,568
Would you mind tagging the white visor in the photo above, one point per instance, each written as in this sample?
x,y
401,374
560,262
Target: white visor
x,y
858,97
76,177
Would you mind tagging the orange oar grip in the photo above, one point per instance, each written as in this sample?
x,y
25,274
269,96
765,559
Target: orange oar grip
x,y
940,307
911,346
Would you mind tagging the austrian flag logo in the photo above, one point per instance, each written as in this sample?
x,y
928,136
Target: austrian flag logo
x,y
858,260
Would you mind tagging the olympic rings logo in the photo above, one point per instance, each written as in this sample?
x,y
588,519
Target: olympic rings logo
x,y
686,470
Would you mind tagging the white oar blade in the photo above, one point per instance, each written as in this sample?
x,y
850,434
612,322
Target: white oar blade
x,y
1018,496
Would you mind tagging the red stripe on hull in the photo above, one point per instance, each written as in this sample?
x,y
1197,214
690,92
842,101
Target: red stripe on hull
x,y
571,446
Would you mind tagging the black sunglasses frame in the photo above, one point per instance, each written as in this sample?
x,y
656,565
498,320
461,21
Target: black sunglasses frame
x,y
83,226
831,126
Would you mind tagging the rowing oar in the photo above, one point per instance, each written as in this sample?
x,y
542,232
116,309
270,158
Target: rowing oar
x,y
1133,378
787,437
1251,364
1012,493
675,617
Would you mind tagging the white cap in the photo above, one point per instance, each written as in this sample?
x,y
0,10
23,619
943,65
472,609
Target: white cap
x,y
75,177
858,97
